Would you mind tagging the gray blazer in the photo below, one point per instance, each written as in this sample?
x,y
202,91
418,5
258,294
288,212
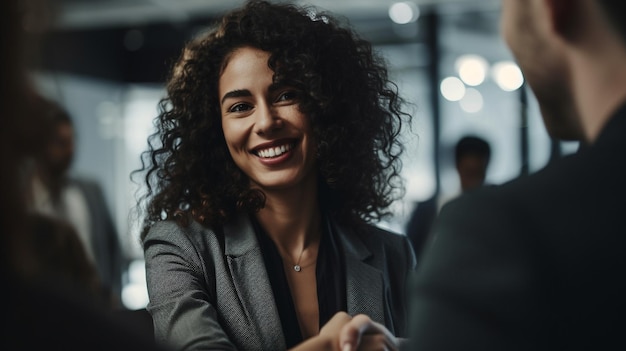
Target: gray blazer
x,y
210,291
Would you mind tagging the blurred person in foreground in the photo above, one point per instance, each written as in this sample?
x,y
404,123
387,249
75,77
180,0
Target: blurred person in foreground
x,y
276,149
539,263
38,314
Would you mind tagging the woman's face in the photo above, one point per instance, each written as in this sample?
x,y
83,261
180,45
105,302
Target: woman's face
x,y
268,137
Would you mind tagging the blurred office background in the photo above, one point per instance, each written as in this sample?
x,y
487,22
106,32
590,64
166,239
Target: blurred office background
x,y
106,61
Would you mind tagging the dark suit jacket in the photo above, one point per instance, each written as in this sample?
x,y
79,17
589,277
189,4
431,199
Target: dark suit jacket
x,y
420,222
211,292
535,264
109,254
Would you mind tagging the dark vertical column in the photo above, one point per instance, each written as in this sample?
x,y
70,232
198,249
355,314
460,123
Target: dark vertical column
x,y
524,170
555,150
432,41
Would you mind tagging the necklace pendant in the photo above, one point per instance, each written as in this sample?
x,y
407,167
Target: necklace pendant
x,y
297,268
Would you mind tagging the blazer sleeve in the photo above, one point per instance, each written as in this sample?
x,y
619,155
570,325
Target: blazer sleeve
x,y
183,315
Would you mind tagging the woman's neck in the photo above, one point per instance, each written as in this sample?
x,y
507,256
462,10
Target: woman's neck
x,y
292,219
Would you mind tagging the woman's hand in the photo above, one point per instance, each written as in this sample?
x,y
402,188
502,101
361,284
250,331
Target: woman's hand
x,y
333,327
345,333
328,338
363,334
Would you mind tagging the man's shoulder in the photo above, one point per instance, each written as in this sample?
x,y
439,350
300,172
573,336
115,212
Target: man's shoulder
x,y
547,192
377,237
551,180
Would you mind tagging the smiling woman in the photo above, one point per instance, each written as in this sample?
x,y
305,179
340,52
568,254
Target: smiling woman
x,y
275,153
267,135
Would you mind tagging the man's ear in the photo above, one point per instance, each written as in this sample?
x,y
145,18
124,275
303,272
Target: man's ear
x,y
565,17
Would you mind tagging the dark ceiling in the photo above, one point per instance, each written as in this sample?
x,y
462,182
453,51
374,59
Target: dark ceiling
x,y
136,41
132,54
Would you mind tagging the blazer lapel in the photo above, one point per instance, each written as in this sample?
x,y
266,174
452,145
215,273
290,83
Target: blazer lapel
x,y
364,283
251,282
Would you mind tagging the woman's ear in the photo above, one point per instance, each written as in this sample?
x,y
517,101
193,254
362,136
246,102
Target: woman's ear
x,y
565,17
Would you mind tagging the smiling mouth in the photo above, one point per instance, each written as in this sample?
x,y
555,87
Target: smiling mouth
x,y
274,151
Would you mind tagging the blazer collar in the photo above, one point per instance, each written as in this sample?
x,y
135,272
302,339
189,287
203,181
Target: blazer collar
x,y
364,282
249,276
239,237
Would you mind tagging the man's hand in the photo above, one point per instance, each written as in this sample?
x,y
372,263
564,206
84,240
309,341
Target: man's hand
x,y
363,334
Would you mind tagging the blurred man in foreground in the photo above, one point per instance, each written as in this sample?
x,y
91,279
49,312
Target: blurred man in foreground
x,y
539,263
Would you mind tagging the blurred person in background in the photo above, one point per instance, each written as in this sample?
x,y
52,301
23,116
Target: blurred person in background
x,y
538,263
60,257
80,201
471,159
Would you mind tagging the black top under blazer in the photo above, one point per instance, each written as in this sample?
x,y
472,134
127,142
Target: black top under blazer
x,y
211,291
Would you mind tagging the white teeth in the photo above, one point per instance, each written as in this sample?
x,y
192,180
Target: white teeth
x,y
274,151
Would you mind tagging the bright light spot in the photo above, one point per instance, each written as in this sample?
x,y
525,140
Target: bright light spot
x,y
135,296
420,185
138,124
472,102
404,12
472,69
452,89
135,293
507,75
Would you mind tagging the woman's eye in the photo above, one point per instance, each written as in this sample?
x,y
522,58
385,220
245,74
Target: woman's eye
x,y
239,108
287,96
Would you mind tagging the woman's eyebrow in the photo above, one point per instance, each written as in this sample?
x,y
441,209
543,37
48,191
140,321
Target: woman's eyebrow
x,y
276,86
236,93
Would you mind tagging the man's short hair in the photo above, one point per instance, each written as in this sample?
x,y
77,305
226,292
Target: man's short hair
x,y
472,145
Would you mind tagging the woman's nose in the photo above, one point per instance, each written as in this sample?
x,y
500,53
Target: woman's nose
x,y
267,120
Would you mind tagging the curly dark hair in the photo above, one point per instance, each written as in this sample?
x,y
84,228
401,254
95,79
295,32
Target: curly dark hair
x,y
355,111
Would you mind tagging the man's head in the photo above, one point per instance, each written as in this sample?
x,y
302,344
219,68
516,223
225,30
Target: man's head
x,y
553,41
472,155
57,144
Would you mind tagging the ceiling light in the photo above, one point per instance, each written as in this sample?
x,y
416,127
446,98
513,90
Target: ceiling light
x,y
472,102
472,69
404,12
507,75
452,88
